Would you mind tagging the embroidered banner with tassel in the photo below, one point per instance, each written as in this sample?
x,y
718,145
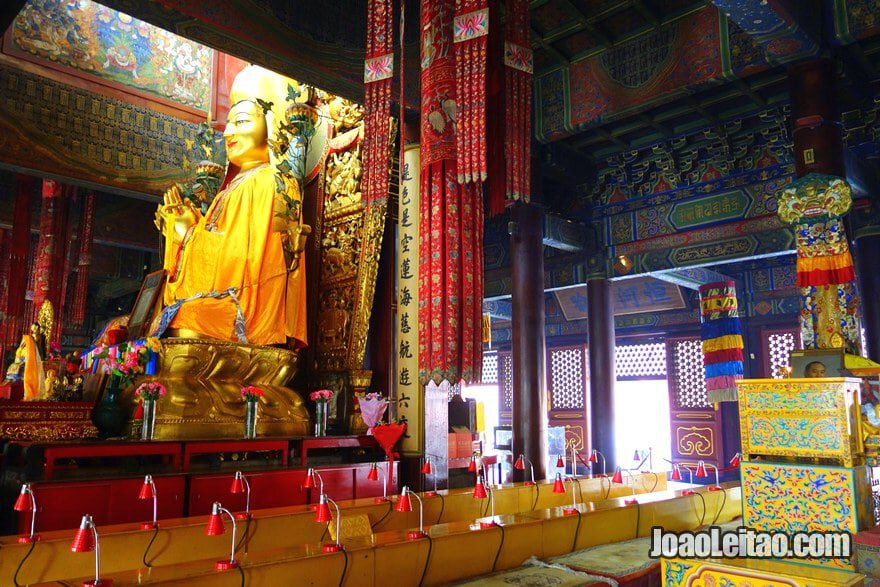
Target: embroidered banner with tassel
x,y
518,68
722,340
450,219
378,71
471,33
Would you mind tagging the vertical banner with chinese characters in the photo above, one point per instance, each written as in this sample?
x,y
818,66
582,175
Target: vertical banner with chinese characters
x,y
410,398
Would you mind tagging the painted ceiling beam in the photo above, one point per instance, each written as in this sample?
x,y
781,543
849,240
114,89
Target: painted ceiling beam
x,y
498,309
772,26
566,235
690,277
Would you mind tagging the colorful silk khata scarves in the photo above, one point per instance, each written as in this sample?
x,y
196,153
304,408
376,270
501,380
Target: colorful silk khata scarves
x,y
378,72
450,219
829,314
722,340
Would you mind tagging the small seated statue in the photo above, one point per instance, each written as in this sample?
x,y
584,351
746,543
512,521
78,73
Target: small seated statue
x,y
233,273
27,366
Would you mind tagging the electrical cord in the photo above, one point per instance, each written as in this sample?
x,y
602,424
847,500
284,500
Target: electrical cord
x,y
427,560
21,564
442,507
247,527
703,499
602,486
500,546
382,519
344,567
638,518
150,545
721,507
537,494
241,572
577,530
580,490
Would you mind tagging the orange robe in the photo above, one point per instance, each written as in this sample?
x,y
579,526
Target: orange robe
x,y
234,247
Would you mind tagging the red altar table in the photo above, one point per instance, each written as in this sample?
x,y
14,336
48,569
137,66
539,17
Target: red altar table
x,y
191,448
314,442
52,451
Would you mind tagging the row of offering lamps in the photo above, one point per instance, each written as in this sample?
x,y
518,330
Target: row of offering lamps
x,y
87,539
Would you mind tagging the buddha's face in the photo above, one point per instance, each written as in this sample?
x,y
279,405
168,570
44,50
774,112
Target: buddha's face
x,y
246,135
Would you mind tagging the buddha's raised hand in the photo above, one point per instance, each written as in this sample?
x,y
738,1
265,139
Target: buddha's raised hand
x,y
175,213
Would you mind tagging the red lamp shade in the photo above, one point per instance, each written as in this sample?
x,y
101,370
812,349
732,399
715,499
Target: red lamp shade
x,y
147,488
23,502
734,462
520,463
84,540
472,466
373,474
617,477
701,470
237,484
403,502
310,480
676,474
215,525
558,485
322,512
426,468
559,461
594,458
480,489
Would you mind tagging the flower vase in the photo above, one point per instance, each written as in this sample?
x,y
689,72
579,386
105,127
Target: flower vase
x,y
108,416
250,419
322,410
148,427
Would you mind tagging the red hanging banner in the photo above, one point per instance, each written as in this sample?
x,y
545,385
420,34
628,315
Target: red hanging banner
x,y
450,218
78,308
518,68
378,72
471,33
19,249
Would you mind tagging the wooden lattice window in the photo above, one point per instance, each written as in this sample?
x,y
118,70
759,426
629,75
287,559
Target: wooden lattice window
x,y
688,377
506,378
640,361
490,368
779,347
567,387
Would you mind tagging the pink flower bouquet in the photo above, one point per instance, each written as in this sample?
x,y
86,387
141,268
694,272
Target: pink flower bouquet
x,y
152,390
321,395
251,393
373,407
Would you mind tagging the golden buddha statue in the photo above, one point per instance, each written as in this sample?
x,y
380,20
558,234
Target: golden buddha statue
x,y
234,272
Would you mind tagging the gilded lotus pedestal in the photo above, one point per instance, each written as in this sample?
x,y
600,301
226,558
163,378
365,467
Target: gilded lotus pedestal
x,y
204,378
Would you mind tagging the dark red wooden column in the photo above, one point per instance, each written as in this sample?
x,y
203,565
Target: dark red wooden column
x,y
815,117
529,352
600,357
